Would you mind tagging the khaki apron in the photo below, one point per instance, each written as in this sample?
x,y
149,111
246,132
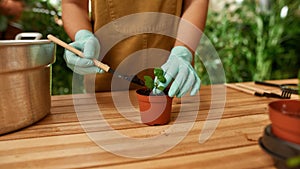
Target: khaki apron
x,y
106,15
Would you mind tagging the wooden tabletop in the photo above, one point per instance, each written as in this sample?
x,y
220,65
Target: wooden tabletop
x,y
61,141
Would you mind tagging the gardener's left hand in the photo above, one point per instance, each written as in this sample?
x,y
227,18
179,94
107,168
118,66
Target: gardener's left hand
x,y
179,68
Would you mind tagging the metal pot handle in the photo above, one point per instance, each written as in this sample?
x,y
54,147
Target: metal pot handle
x,y
29,35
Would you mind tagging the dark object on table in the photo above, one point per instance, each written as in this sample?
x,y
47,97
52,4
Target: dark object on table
x,y
280,150
293,88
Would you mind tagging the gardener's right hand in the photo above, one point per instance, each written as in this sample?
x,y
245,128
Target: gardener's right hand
x,y
86,42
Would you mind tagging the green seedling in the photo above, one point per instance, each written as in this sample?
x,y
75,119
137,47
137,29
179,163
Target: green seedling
x,y
151,84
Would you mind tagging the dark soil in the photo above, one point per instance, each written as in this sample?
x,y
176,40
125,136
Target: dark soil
x,y
144,91
147,92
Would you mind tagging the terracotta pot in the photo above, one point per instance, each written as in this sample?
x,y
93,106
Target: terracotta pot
x,y
285,118
155,110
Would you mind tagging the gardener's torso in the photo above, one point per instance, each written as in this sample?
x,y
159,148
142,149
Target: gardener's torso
x,y
129,31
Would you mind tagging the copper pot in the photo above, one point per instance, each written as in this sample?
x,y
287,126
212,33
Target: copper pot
x,y
25,73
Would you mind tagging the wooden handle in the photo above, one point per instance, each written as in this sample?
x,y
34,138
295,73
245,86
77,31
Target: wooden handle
x,y
65,45
77,52
240,89
252,88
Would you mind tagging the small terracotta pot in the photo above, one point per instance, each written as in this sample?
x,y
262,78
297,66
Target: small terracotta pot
x,y
285,118
154,110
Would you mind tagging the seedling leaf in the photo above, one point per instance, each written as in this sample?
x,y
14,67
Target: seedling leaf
x,y
161,79
162,88
149,82
158,72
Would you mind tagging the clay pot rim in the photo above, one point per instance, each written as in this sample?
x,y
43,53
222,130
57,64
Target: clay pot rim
x,y
282,120
158,98
274,104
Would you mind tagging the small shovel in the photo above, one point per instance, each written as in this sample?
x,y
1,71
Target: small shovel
x,y
106,68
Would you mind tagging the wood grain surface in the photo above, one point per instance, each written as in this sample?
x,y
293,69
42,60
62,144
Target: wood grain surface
x,y
59,141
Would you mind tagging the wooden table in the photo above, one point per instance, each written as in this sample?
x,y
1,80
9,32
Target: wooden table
x,y
58,141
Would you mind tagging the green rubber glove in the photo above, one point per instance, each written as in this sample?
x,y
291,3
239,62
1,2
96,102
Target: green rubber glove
x,y
86,42
179,68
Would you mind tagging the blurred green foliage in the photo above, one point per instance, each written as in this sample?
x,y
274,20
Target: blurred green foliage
x,y
43,16
255,42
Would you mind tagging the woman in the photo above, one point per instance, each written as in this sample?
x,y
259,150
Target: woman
x,y
178,69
